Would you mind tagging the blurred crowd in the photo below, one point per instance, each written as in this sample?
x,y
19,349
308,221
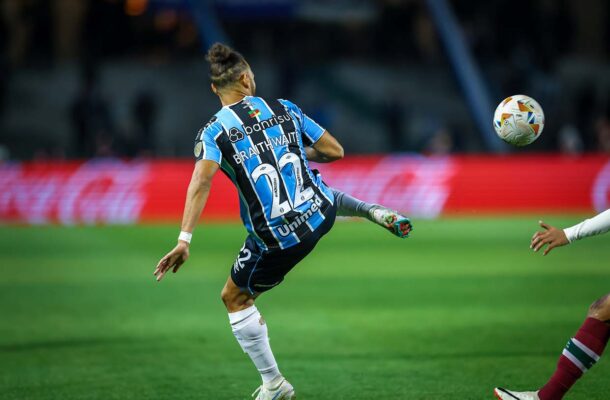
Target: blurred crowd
x,y
553,50
43,35
96,133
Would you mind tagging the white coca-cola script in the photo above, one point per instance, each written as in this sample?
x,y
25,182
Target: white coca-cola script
x,y
106,191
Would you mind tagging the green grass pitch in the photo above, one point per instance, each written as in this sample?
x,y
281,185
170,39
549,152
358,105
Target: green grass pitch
x,y
461,306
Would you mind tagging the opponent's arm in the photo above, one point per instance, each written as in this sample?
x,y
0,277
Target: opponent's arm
x,y
326,149
196,197
589,227
557,237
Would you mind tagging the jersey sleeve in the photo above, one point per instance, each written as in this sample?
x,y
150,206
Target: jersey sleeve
x,y
206,147
311,131
589,227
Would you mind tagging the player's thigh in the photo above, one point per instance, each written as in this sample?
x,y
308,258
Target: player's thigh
x,y
275,265
256,271
249,259
600,309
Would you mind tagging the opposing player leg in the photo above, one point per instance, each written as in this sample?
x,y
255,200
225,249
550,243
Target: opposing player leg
x,y
581,353
348,206
250,330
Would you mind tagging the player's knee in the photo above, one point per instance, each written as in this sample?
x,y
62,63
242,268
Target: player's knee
x,y
600,309
226,296
235,300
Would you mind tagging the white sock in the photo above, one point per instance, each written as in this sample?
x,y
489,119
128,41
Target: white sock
x,y
250,330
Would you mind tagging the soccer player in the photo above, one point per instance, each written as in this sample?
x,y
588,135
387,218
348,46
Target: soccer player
x,y
264,147
586,347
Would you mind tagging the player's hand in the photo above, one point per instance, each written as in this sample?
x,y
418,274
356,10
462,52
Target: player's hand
x,y
551,236
174,259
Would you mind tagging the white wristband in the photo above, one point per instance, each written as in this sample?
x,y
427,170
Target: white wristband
x,y
185,236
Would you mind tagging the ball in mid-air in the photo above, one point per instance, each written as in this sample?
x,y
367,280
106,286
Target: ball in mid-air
x,y
519,120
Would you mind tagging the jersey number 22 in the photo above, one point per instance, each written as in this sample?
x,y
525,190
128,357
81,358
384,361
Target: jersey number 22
x,y
273,175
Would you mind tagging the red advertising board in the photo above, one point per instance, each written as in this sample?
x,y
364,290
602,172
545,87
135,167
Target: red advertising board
x,y
113,191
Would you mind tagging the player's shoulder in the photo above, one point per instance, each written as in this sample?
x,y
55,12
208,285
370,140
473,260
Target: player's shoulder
x,y
291,108
288,104
212,127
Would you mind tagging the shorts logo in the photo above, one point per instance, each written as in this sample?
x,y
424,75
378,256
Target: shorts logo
x,y
235,135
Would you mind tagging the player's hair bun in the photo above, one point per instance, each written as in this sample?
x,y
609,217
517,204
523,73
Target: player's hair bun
x,y
219,54
226,64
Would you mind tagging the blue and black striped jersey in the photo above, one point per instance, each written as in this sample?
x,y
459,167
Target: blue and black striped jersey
x,y
260,147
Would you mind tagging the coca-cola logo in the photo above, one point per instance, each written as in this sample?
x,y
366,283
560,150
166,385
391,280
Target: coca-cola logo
x,y
94,192
418,186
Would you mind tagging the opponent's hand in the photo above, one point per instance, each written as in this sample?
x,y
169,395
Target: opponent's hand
x,y
174,259
551,236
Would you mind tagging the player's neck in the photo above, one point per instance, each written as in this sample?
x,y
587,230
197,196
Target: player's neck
x,y
232,97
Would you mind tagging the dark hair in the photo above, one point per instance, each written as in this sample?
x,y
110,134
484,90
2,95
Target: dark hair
x,y
226,65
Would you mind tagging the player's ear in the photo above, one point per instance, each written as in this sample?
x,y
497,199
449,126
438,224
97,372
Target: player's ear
x,y
244,80
214,90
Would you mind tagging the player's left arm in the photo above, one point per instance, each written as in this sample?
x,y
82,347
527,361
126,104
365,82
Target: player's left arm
x,y
554,237
196,198
320,146
326,149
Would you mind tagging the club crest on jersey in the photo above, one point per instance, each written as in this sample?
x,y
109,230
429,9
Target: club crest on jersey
x,y
198,148
235,135
254,113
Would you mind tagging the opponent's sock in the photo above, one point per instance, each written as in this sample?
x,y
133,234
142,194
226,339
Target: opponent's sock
x,y
348,206
579,355
250,329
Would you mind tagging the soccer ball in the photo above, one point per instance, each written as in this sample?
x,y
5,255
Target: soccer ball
x,y
519,120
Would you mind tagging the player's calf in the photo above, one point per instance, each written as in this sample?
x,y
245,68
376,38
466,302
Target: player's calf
x,y
581,353
250,330
600,309
348,206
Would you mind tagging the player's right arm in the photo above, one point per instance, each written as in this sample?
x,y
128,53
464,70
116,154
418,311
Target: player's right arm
x,y
209,157
196,198
554,237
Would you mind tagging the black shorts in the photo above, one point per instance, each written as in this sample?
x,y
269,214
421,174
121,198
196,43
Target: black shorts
x,y
257,270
